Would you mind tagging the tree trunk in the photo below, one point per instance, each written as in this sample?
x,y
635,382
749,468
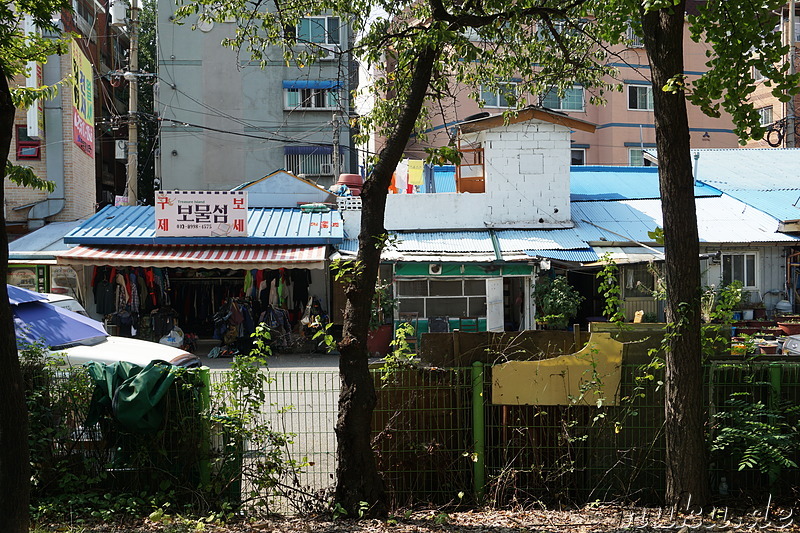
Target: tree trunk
x,y
358,481
686,451
14,458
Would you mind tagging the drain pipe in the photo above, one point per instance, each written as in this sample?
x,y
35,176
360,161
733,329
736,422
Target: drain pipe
x,y
54,150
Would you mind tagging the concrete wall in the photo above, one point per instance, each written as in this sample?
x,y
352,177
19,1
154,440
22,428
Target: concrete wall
x,y
240,97
527,185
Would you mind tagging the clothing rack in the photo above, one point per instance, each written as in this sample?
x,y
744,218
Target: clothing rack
x,y
223,278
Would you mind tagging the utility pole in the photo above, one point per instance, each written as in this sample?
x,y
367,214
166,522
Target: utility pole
x,y
791,121
335,155
133,106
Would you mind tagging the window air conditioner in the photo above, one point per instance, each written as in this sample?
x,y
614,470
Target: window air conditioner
x,y
434,269
329,52
326,168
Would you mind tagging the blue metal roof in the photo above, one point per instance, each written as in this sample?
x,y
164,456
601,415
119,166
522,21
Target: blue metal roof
x,y
443,242
136,225
719,219
579,256
539,239
593,183
562,244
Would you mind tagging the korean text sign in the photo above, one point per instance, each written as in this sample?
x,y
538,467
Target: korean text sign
x,y
201,214
82,101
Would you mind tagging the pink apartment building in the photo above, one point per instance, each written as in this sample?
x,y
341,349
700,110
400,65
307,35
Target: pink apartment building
x,y
624,124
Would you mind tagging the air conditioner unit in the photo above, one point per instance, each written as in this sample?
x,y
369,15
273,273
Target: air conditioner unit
x,y
326,168
329,51
434,269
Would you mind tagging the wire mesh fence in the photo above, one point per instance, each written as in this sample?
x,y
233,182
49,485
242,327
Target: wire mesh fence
x,y
434,443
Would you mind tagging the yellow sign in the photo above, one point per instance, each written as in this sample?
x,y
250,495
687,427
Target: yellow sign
x,y
565,379
82,100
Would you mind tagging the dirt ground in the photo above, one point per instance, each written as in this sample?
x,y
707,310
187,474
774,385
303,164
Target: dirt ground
x,y
601,518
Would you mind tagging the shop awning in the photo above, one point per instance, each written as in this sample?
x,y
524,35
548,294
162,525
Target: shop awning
x,y
235,257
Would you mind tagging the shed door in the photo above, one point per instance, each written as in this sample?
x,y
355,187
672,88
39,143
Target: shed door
x,y
495,320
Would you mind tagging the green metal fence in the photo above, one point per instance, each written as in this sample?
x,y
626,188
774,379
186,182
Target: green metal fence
x,y
438,438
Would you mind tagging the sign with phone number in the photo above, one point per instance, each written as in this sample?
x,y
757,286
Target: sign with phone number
x,y
201,214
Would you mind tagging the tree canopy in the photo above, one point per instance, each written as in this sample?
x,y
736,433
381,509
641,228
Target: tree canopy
x,y
421,49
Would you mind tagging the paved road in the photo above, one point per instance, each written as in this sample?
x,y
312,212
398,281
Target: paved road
x,y
303,401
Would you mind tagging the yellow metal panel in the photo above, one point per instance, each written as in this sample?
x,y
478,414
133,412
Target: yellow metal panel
x,y
560,380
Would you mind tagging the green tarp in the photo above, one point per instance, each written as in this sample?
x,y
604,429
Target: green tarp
x,y
130,394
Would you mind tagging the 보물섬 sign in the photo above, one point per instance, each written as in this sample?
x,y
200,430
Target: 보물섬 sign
x,y
201,214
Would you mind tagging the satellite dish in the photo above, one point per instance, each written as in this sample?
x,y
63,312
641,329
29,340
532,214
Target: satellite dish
x,y
205,25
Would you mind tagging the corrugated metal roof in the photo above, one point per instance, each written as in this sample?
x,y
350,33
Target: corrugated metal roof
x,y
538,239
443,242
578,256
723,219
136,225
593,183
477,245
750,169
783,204
766,179
45,239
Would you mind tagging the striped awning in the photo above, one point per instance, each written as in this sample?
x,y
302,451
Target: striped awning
x,y
234,257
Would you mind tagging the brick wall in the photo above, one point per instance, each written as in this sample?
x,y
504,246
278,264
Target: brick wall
x,y
79,169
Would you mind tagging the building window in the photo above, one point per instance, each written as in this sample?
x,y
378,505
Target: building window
x,y
636,158
634,41
311,98
83,15
640,97
765,115
739,267
319,30
309,160
757,75
638,281
577,156
27,147
498,97
571,101
443,297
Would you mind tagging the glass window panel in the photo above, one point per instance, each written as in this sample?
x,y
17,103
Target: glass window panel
x,y
333,98
750,270
319,98
477,307
475,287
412,288
412,305
550,100
489,97
638,281
727,270
445,288
446,306
573,99
333,30
577,157
312,30
292,98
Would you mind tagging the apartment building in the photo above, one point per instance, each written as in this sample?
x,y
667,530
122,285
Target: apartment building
x,y
625,124
226,119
